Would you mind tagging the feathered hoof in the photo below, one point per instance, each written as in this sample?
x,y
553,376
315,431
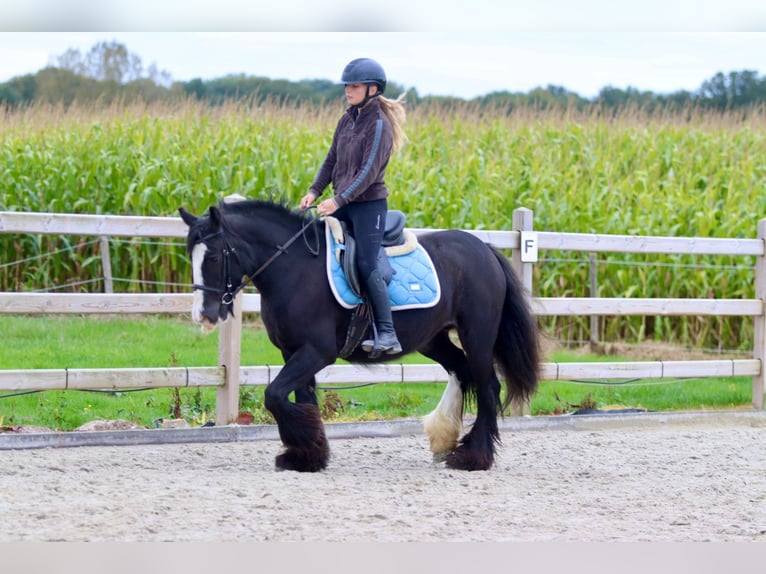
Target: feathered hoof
x,y
464,459
303,460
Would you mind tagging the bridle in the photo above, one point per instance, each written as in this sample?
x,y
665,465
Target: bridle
x,y
230,292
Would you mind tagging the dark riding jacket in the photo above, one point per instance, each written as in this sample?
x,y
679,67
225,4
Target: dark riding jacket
x,y
358,156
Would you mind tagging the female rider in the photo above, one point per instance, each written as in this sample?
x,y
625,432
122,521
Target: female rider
x,y
366,136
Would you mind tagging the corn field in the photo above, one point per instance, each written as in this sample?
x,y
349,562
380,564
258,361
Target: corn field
x,y
692,174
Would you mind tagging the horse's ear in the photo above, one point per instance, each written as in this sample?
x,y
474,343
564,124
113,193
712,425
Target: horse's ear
x,y
215,216
186,216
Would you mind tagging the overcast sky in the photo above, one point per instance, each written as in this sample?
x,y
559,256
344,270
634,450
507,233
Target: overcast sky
x,y
664,47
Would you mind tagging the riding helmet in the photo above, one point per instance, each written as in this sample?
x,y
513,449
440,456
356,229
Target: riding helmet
x,y
364,71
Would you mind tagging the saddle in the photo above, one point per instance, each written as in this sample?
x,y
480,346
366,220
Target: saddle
x,y
409,274
396,241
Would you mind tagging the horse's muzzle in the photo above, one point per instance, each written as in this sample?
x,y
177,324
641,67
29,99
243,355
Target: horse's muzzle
x,y
206,325
209,320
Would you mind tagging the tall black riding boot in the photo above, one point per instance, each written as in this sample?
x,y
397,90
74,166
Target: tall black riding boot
x,y
377,294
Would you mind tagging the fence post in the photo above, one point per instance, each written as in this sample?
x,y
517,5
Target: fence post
x,y
106,263
593,292
523,220
759,322
229,355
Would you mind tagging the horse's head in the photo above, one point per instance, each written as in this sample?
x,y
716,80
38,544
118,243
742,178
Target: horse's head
x,y
216,271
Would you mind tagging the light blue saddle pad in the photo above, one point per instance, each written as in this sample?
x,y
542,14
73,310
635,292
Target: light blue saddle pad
x,y
414,285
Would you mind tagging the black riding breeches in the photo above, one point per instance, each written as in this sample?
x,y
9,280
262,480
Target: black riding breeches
x,y
367,222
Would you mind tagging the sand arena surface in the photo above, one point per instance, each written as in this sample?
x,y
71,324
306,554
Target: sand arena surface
x,y
679,482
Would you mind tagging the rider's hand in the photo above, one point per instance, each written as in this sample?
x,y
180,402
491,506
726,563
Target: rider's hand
x,y
307,200
327,207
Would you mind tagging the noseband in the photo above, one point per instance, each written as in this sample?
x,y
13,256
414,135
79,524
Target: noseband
x,y
229,293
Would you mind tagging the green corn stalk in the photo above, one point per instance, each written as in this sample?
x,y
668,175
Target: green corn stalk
x,y
691,174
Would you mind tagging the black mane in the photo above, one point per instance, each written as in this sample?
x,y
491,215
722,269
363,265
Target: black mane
x,y
273,211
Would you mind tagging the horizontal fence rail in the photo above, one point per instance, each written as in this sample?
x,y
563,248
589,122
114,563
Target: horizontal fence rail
x,y
110,379
647,244
659,307
186,377
95,225
103,303
229,374
148,303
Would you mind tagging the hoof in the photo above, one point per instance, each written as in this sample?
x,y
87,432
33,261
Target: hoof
x,y
302,460
440,457
463,459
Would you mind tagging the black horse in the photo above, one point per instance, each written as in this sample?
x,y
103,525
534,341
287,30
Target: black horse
x,y
283,253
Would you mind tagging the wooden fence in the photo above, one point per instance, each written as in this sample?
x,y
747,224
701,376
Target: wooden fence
x,y
524,242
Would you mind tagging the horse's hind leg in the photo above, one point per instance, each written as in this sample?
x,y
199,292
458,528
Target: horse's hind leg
x,y
444,424
476,450
476,371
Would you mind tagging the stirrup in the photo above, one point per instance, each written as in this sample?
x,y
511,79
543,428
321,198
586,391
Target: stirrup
x,y
370,345
374,347
377,350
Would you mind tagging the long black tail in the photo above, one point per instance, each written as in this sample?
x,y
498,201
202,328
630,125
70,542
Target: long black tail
x,y
517,350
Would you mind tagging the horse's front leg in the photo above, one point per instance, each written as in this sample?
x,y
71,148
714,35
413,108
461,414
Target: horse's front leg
x,y
300,424
307,393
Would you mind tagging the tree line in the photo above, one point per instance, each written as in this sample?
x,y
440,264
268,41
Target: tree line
x,y
109,73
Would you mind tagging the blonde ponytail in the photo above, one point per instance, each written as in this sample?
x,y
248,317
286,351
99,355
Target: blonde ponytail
x,y
397,115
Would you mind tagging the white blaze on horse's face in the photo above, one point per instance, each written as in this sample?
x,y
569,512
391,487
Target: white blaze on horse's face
x,y
198,302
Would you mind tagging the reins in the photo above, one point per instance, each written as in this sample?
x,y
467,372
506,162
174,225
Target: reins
x,y
228,294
